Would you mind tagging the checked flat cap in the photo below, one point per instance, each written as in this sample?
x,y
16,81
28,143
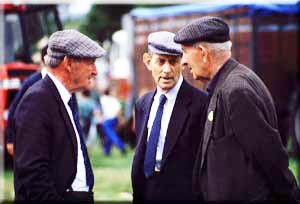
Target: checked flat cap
x,y
162,42
73,44
205,29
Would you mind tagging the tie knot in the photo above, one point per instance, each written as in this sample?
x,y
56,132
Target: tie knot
x,y
162,99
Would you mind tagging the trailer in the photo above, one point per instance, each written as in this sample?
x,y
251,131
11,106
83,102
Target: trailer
x,y
25,27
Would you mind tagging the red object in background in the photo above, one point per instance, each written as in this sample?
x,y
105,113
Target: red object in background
x,y
11,77
12,7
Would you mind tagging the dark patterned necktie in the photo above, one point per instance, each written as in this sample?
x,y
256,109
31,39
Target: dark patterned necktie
x,y
150,156
88,168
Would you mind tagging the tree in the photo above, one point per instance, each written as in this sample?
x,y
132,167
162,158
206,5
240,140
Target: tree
x,y
103,20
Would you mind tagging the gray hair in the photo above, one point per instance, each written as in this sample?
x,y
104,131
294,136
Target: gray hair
x,y
216,47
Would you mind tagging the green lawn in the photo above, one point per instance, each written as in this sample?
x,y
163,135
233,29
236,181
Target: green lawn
x,y
112,176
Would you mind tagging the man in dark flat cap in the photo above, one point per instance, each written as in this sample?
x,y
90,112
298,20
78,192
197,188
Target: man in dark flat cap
x,y
167,126
241,156
51,161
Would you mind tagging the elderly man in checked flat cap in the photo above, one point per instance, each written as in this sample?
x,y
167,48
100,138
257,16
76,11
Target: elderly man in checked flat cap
x,y
241,156
51,161
167,126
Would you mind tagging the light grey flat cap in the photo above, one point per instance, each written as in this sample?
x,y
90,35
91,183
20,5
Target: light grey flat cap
x,y
162,42
73,44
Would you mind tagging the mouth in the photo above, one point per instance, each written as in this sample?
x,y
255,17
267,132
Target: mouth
x,y
166,78
91,78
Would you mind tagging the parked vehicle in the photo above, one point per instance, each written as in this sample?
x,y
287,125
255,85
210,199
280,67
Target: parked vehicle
x,y
25,26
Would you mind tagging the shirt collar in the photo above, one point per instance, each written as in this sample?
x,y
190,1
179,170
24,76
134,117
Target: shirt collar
x,y
44,72
213,83
172,93
63,92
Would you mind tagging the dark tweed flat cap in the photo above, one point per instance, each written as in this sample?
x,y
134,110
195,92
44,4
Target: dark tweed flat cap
x,y
73,44
205,29
162,42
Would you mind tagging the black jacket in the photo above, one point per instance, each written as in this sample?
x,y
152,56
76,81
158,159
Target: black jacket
x,y
45,146
242,156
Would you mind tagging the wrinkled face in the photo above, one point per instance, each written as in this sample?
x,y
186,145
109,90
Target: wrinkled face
x,y
165,69
196,58
82,73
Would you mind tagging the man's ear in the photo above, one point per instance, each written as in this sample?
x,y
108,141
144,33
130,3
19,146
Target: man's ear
x,y
204,53
147,60
67,63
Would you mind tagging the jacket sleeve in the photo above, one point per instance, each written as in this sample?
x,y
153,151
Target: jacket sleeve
x,y
137,176
260,140
33,148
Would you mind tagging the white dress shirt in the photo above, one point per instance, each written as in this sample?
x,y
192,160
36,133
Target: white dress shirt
x,y
44,72
79,183
168,109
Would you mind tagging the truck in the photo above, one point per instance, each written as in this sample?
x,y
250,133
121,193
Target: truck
x,y
265,37
25,29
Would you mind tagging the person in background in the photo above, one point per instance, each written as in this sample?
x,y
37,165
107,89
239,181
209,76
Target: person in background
x,y
111,110
51,162
32,79
168,127
242,157
96,118
86,106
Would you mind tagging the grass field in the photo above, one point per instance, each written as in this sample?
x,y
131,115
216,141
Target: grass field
x,y
112,176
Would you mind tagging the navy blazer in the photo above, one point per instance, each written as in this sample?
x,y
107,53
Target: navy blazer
x,y
45,145
174,181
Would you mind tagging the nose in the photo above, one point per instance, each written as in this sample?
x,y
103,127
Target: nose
x,y
167,67
184,61
94,69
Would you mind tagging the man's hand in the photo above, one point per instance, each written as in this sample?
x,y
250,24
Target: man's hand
x,y
10,148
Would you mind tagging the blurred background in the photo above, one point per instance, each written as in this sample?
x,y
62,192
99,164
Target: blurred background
x,y
265,37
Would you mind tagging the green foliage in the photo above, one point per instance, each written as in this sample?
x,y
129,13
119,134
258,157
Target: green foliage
x,y
72,24
103,20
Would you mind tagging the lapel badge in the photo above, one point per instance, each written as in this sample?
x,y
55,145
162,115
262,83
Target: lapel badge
x,y
211,116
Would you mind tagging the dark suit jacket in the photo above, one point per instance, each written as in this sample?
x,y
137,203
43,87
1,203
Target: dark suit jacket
x,y
12,108
174,181
45,145
242,156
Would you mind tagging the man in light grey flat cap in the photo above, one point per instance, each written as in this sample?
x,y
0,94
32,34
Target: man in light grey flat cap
x,y
51,161
242,157
167,123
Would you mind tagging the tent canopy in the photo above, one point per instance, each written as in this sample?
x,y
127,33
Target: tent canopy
x,y
267,6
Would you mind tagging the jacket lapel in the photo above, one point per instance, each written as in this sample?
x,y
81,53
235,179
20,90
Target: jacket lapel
x,y
146,106
63,112
177,121
229,66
